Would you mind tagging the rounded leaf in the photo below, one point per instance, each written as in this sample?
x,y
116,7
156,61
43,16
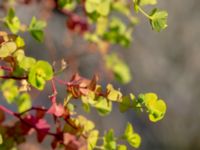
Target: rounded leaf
x,y
39,73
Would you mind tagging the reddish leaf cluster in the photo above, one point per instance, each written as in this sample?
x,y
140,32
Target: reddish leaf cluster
x,y
81,86
77,24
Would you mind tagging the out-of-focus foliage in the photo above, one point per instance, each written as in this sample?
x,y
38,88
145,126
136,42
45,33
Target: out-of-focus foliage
x,y
100,23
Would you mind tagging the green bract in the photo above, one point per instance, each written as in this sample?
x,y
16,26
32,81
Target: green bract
x,y
103,22
39,73
125,104
20,42
12,21
113,95
19,55
158,19
10,90
101,7
109,142
26,62
36,29
103,106
132,138
119,68
67,4
92,139
23,102
1,139
118,33
156,108
121,147
101,25
7,49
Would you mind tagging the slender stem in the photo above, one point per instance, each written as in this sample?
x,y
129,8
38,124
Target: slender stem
x,y
13,77
144,13
61,81
53,96
33,108
7,110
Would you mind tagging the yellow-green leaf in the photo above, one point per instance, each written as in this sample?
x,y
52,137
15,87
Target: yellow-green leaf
x,y
1,139
7,49
92,139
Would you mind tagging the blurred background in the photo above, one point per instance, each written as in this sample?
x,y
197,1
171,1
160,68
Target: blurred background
x,y
167,63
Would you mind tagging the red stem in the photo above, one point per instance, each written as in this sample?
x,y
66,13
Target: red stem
x,y
61,81
53,96
6,68
13,77
7,110
17,115
33,108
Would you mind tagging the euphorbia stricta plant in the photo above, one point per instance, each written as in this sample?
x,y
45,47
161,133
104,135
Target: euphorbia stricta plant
x,y
99,22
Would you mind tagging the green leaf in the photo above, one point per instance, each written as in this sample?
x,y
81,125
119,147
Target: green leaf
x,y
132,138
104,7
136,5
85,123
109,142
23,102
39,73
158,19
1,139
89,98
103,106
113,95
62,3
7,49
20,42
125,104
149,98
157,111
12,21
86,107
27,62
98,7
121,147
36,29
121,6
119,68
70,107
128,131
19,55
101,25
18,71
156,108
10,90
67,4
92,139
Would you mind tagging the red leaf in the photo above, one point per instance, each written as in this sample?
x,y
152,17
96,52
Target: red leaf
x,y
42,129
57,110
41,126
81,86
77,24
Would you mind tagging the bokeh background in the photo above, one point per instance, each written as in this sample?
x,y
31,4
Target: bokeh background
x,y
167,63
